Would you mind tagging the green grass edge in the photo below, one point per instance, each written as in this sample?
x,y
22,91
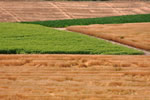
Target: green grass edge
x,y
87,21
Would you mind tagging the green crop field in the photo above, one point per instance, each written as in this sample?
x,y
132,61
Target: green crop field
x,y
17,38
104,20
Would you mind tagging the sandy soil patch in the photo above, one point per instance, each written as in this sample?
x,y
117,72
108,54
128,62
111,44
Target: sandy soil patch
x,y
74,77
133,34
16,11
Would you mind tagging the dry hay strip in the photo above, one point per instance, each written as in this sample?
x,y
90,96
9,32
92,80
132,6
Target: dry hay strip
x,y
73,60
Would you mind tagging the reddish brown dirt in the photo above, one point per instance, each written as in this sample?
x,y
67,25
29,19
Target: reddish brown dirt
x,y
16,11
74,77
133,34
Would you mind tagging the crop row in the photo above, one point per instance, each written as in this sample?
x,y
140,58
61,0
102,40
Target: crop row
x,y
88,21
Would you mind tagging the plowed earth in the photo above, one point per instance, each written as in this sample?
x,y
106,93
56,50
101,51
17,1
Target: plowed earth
x,y
133,34
74,77
17,11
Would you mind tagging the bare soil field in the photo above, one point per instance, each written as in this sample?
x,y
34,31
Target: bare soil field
x,y
133,34
74,77
17,11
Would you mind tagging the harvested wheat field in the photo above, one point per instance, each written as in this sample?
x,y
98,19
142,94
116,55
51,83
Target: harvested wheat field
x,y
133,34
74,77
32,10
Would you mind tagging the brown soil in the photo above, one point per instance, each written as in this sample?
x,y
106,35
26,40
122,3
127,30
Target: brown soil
x,y
16,11
74,77
133,34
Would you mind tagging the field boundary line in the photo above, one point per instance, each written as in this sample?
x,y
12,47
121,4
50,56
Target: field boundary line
x,y
17,19
64,13
113,42
114,9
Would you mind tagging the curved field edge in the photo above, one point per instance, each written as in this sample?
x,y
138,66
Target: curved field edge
x,y
16,38
88,21
117,32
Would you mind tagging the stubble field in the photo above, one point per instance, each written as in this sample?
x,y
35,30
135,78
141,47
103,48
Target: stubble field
x,y
49,10
74,77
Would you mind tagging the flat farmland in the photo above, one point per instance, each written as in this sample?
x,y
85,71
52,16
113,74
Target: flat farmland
x,y
74,77
17,11
41,63
133,34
